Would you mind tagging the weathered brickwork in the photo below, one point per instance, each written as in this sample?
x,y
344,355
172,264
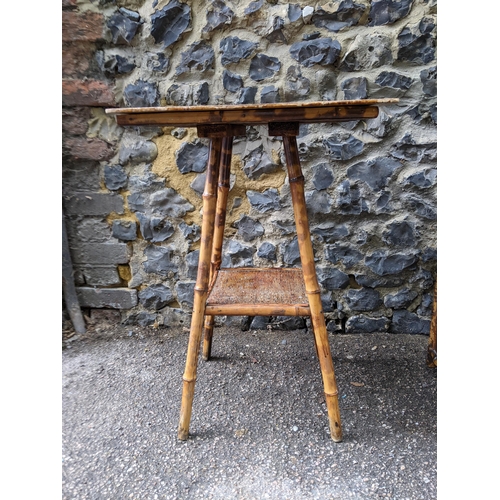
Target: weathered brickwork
x,y
132,197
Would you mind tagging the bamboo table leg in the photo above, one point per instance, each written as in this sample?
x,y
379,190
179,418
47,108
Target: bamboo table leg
x,y
201,287
432,346
296,180
220,222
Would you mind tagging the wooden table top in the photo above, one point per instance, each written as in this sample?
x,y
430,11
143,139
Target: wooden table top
x,y
250,114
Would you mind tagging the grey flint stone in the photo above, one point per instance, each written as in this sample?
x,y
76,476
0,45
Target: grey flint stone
x,y
169,203
218,15
365,324
344,253
322,176
355,88
401,299
420,206
168,24
114,64
185,293
267,201
155,229
375,172
237,255
408,149
297,87
349,200
290,251
269,94
343,148
263,66
198,58
191,232
276,34
137,202
187,94
155,296
123,25
141,94
406,322
254,6
285,226
246,95
136,150
234,49
124,230
388,11
267,251
429,254
328,302
425,307
159,260
258,162
330,232
348,13
248,228
423,278
428,77
294,12
192,259
288,323
192,157
331,278
400,234
365,299
394,80
371,282
115,177
318,202
382,204
198,184
426,25
415,47
383,263
231,81
141,318
157,62
323,51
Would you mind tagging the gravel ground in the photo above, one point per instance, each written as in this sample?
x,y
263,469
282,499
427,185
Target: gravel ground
x,y
259,428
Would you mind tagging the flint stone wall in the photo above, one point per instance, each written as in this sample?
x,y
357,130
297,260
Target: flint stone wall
x,y
132,197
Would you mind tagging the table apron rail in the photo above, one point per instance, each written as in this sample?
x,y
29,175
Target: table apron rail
x,y
189,118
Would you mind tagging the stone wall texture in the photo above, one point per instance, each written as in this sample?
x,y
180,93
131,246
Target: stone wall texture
x,y
132,196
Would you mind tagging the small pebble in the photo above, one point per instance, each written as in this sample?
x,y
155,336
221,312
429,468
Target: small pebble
x,y
295,428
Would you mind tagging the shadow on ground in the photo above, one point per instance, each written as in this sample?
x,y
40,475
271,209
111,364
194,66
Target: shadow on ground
x,y
259,427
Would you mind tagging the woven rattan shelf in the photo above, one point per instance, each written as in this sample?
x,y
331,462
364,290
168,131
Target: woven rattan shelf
x,y
258,292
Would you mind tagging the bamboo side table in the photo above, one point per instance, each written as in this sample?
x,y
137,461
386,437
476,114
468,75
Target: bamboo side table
x,y
252,291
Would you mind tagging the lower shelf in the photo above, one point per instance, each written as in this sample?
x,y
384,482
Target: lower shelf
x,y
252,291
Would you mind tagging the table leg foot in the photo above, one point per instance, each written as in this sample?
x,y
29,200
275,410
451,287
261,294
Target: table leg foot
x,y
332,405
207,337
186,405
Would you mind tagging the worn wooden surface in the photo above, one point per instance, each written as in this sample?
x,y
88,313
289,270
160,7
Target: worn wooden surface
x,y
250,114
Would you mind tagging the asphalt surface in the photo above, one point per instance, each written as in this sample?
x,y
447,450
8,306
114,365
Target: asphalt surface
x,y
259,427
